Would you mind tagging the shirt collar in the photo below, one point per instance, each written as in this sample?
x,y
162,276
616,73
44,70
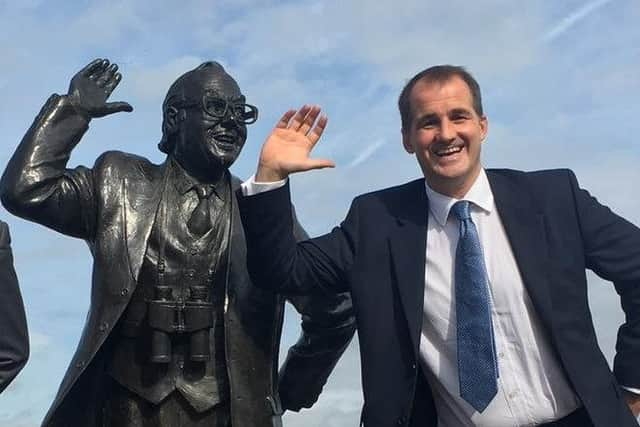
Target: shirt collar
x,y
479,195
184,182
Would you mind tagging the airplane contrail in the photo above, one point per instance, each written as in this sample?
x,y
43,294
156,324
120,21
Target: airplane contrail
x,y
573,18
368,152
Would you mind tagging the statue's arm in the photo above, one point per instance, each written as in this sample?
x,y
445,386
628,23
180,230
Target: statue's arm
x,y
328,325
14,339
36,184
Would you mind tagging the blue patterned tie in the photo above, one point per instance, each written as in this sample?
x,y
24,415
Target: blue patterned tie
x,y
477,365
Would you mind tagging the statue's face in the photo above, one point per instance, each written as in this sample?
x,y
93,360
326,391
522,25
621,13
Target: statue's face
x,y
211,135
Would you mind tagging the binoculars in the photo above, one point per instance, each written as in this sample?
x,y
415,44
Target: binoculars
x,y
168,317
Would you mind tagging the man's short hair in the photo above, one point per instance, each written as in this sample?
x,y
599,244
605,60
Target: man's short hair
x,y
437,74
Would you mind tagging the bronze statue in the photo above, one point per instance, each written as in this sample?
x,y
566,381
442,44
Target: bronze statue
x,y
14,339
177,334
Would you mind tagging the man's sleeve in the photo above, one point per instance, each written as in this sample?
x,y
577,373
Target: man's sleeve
x,y
277,262
328,325
14,339
36,185
250,187
612,251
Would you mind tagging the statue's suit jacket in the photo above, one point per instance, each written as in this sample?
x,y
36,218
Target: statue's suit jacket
x,y
14,339
112,206
556,231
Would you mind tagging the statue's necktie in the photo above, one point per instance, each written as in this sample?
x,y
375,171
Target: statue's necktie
x,y
477,363
200,220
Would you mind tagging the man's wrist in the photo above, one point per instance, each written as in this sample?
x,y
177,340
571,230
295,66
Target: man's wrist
x,y
632,391
266,174
250,187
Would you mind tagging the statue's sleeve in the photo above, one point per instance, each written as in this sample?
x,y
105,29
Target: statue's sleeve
x,y
14,339
36,185
328,325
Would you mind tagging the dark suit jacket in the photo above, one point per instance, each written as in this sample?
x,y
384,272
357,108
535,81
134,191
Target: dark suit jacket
x,y
556,231
14,339
112,207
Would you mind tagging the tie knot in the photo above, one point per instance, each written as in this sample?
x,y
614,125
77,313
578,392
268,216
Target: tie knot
x,y
461,210
203,191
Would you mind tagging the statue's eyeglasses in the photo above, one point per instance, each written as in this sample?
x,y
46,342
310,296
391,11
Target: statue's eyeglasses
x,y
218,108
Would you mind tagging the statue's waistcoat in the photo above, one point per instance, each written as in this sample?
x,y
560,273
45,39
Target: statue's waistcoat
x,y
189,271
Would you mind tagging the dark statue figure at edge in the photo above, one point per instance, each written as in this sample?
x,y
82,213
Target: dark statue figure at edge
x,y
176,334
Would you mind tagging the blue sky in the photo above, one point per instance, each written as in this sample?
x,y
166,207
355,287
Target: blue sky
x,y
560,83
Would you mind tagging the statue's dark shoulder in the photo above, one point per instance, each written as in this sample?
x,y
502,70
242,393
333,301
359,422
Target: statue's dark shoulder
x,y
235,183
118,165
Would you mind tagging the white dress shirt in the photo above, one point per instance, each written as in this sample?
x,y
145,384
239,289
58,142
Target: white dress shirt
x,y
532,386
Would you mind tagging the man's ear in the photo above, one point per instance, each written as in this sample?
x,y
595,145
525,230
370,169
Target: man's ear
x,y
172,119
406,143
484,127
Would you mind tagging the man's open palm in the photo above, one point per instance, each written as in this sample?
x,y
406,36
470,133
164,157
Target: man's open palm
x,y
287,148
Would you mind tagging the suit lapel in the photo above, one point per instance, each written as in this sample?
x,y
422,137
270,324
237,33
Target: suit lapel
x,y
237,249
525,229
407,241
141,199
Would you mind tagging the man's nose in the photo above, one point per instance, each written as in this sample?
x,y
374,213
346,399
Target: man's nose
x,y
229,120
447,130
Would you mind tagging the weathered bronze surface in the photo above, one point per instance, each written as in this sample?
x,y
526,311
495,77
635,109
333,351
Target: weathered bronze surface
x,y
176,333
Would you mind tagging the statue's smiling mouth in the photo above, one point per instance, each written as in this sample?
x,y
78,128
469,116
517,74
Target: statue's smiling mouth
x,y
224,138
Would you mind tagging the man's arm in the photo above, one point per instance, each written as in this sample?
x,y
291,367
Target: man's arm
x,y
328,325
612,251
274,259
36,184
14,338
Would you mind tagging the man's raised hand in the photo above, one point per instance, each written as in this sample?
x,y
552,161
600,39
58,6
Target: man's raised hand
x,y
287,148
91,87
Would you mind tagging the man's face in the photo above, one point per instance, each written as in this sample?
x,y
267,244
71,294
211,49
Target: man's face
x,y
445,134
203,137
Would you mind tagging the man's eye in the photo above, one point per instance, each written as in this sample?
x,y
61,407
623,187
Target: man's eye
x,y
216,106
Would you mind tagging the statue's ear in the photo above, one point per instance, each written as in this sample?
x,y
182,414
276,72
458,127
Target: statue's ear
x,y
171,120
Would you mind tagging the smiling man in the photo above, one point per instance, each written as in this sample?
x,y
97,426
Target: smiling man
x,y
177,334
468,284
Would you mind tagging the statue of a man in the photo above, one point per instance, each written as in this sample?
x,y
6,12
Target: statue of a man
x,y
177,335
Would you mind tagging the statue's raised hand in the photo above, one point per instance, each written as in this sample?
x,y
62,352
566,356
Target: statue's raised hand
x,y
287,148
90,88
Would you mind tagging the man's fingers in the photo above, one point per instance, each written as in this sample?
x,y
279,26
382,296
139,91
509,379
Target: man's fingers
x,y
91,67
315,133
298,118
107,76
115,107
319,164
98,70
284,120
111,85
309,119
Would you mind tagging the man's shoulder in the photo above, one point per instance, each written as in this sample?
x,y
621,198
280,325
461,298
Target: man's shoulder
x,y
394,196
120,165
391,193
536,179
